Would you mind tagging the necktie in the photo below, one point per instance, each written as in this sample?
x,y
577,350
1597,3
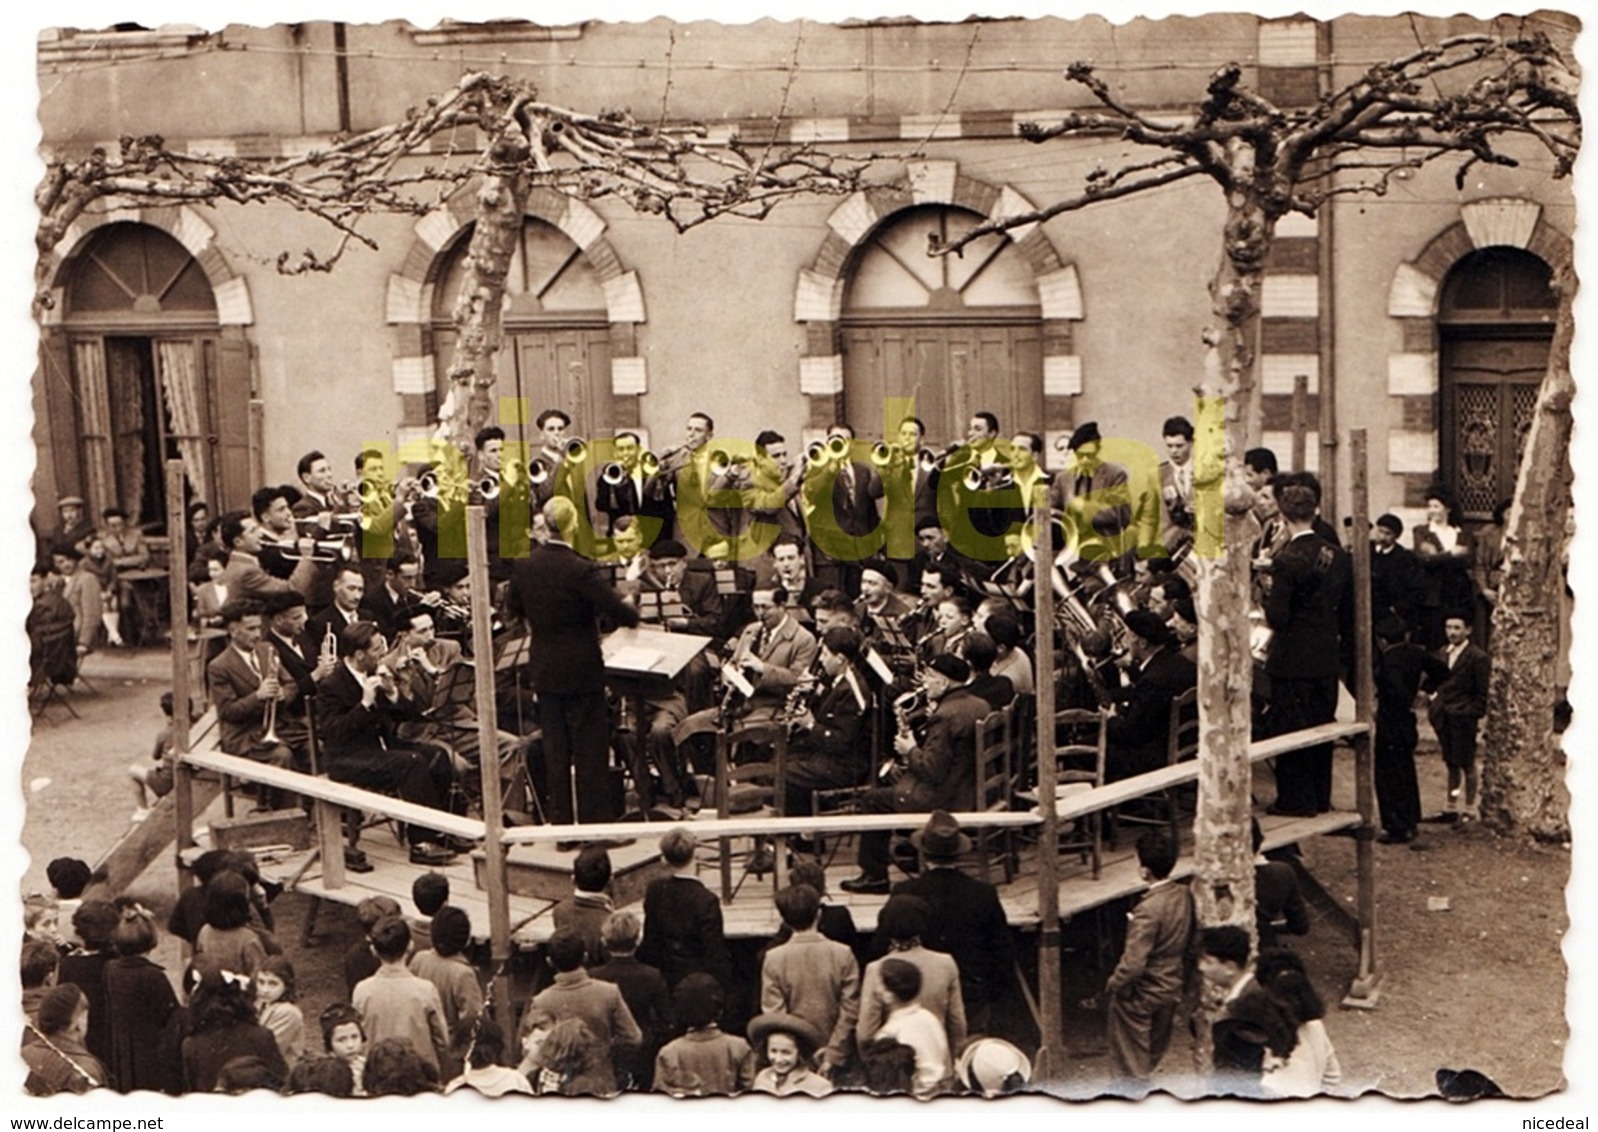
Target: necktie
x,y
1084,485
255,665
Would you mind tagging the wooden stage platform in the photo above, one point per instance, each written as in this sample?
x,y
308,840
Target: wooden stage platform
x,y
751,913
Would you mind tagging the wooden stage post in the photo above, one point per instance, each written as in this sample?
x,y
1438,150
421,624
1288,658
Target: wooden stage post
x,y
177,529
1050,1063
1367,983
488,759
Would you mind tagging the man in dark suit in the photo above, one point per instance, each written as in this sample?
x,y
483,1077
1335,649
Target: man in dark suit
x,y
358,710
562,597
1458,702
637,492
937,769
841,512
241,688
967,920
683,932
827,749
980,653
349,590
1147,984
1308,578
1138,734
1398,584
302,662
392,603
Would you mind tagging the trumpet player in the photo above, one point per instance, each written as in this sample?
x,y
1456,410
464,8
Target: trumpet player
x,y
244,576
242,687
318,489
302,663
935,771
630,487
849,493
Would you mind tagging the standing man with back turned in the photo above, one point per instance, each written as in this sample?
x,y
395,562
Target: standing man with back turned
x,y
562,595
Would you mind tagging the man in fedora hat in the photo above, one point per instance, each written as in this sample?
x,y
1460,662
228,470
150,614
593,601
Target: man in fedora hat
x,y
967,920
1095,498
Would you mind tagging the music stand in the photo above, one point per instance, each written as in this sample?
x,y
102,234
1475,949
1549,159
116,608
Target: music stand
x,y
512,654
642,662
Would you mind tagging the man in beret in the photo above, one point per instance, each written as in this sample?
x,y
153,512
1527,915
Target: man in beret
x,y
1094,497
1398,584
935,769
1138,733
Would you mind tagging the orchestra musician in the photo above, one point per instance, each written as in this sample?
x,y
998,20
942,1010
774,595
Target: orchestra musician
x,y
391,603
349,587
638,492
682,471
359,706
848,494
1094,497
241,687
775,497
827,748
244,576
304,662
936,770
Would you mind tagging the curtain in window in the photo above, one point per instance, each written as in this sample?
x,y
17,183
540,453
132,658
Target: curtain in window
x,y
178,365
125,377
95,419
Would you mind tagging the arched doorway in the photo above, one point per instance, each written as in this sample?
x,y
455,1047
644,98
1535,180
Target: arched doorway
x,y
557,329
150,378
1495,321
960,334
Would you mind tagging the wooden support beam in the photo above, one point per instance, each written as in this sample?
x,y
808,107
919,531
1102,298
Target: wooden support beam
x,y
177,529
1366,986
488,756
1051,1059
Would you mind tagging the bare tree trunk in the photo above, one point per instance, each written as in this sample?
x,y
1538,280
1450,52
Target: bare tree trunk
x,y
473,372
1523,765
1223,885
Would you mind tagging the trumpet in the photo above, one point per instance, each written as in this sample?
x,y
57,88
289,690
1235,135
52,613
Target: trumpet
x,y
722,461
885,455
994,477
372,492
537,471
267,658
322,550
576,450
835,449
649,463
613,473
488,488
427,484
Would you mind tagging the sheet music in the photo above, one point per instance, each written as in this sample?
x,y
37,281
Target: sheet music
x,y
634,659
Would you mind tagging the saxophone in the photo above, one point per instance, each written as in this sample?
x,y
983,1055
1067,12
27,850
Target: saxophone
x,y
910,713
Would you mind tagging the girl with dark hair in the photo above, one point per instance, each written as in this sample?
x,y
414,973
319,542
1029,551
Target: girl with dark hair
x,y
276,1009
479,1044
224,1027
394,1069
227,940
140,1008
1312,1067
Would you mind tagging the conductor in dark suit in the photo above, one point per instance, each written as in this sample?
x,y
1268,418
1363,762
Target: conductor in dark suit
x,y
967,921
358,710
562,596
1308,577
1139,733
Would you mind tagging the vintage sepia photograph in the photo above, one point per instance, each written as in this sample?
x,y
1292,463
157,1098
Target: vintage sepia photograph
x,y
920,556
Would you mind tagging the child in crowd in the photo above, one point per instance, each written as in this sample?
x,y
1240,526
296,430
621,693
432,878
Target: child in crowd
x,y
154,778
786,1045
228,940
276,1008
224,1027
1312,1067
141,1008
479,1044
53,1047
813,977
394,1068
360,962
40,962
536,1026
1458,701
429,892
344,1037
643,989
41,919
912,1024
586,909
1147,984
576,994
394,1003
93,922
247,1073
328,1075
446,967
576,1064
704,1062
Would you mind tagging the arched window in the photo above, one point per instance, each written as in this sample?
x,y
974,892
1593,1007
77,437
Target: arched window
x,y
147,377
556,352
1495,321
958,333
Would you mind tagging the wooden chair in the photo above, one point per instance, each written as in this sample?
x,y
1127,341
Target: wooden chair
x,y
758,784
1080,758
1181,743
995,784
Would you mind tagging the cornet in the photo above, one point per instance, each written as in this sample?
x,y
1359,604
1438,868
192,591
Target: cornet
x,y
613,474
488,488
576,450
537,471
266,656
835,449
884,455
